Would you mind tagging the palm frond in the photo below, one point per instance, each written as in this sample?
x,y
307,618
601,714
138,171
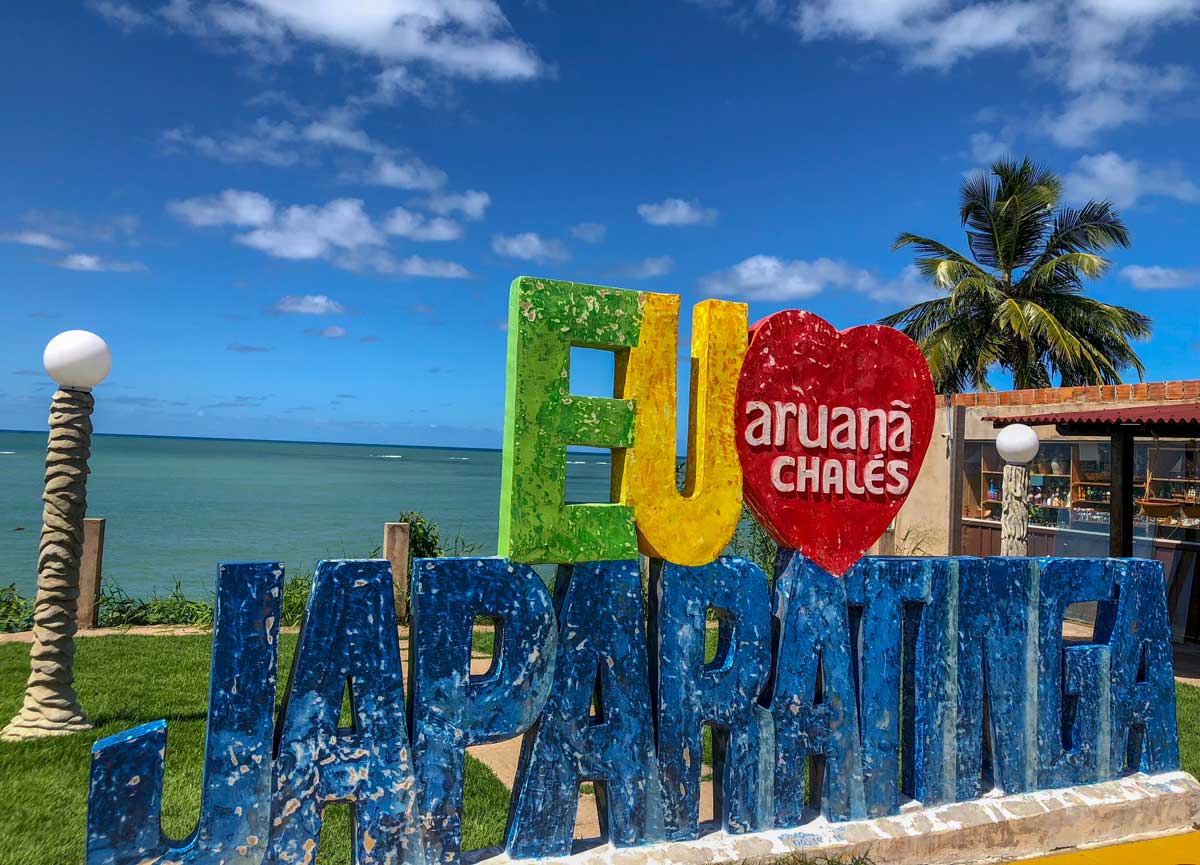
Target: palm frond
x,y
1018,300
1065,268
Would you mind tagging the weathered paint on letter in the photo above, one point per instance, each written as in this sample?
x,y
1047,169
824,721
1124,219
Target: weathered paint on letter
x,y
692,527
451,709
125,799
542,417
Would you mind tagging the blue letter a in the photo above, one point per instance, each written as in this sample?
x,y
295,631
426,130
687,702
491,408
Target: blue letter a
x,y
348,637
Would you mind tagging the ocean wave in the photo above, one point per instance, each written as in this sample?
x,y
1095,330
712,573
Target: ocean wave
x,y
7,452
577,462
388,456
458,459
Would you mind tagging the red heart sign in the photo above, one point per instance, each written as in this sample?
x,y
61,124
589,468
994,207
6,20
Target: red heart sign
x,y
832,427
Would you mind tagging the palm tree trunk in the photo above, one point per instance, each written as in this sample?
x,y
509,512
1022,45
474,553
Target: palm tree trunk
x,y
51,707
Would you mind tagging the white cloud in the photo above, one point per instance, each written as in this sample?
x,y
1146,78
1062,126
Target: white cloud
x,y
765,277
40,239
529,247
284,144
908,288
95,264
1156,278
121,14
384,262
315,231
648,268
980,28
676,211
986,148
930,32
65,227
336,129
589,232
772,279
414,226
1125,181
231,207
330,332
404,173
267,141
308,304
465,38
472,204
1086,49
1091,113
469,39
434,268
339,231
398,81
242,348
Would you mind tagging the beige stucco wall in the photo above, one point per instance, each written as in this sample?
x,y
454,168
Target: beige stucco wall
x,y
921,528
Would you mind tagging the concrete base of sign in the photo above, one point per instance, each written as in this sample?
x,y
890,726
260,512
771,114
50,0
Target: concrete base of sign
x,y
993,829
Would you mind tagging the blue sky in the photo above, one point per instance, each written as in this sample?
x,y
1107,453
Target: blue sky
x,y
297,219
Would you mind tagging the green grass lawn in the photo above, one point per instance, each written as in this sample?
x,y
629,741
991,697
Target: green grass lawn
x,y
125,680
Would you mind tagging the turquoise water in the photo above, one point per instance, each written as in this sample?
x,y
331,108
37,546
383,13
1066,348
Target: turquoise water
x,y
176,507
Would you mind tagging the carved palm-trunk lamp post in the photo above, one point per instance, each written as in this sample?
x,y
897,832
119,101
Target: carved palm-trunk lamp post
x,y
77,360
1017,444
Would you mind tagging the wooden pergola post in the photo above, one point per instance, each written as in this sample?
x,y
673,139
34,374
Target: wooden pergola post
x,y
395,550
91,568
1120,529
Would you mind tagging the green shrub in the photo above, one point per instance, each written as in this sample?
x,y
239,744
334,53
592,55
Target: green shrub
x,y
119,610
295,600
425,539
16,612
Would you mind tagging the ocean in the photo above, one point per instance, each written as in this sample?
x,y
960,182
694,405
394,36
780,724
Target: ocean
x,y
175,507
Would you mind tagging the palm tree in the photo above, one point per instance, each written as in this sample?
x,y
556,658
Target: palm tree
x,y
1018,302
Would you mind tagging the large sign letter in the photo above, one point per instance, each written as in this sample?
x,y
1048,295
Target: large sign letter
x,y
451,709
1144,735
691,528
814,702
349,638
542,417
601,666
723,693
125,799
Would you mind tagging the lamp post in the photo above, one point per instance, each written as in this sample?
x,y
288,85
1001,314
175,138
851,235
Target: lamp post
x,y
77,360
1017,444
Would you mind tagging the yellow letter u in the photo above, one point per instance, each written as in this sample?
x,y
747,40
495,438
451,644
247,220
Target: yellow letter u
x,y
692,527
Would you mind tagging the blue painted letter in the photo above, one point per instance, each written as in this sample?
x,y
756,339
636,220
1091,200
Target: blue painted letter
x,y
1144,735
349,638
724,693
909,637
601,657
813,699
451,708
125,799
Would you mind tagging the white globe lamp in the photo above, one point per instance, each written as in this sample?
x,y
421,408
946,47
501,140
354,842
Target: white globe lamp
x,y
1018,444
77,359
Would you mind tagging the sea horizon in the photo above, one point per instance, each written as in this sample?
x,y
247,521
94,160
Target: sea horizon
x,y
176,506
570,448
